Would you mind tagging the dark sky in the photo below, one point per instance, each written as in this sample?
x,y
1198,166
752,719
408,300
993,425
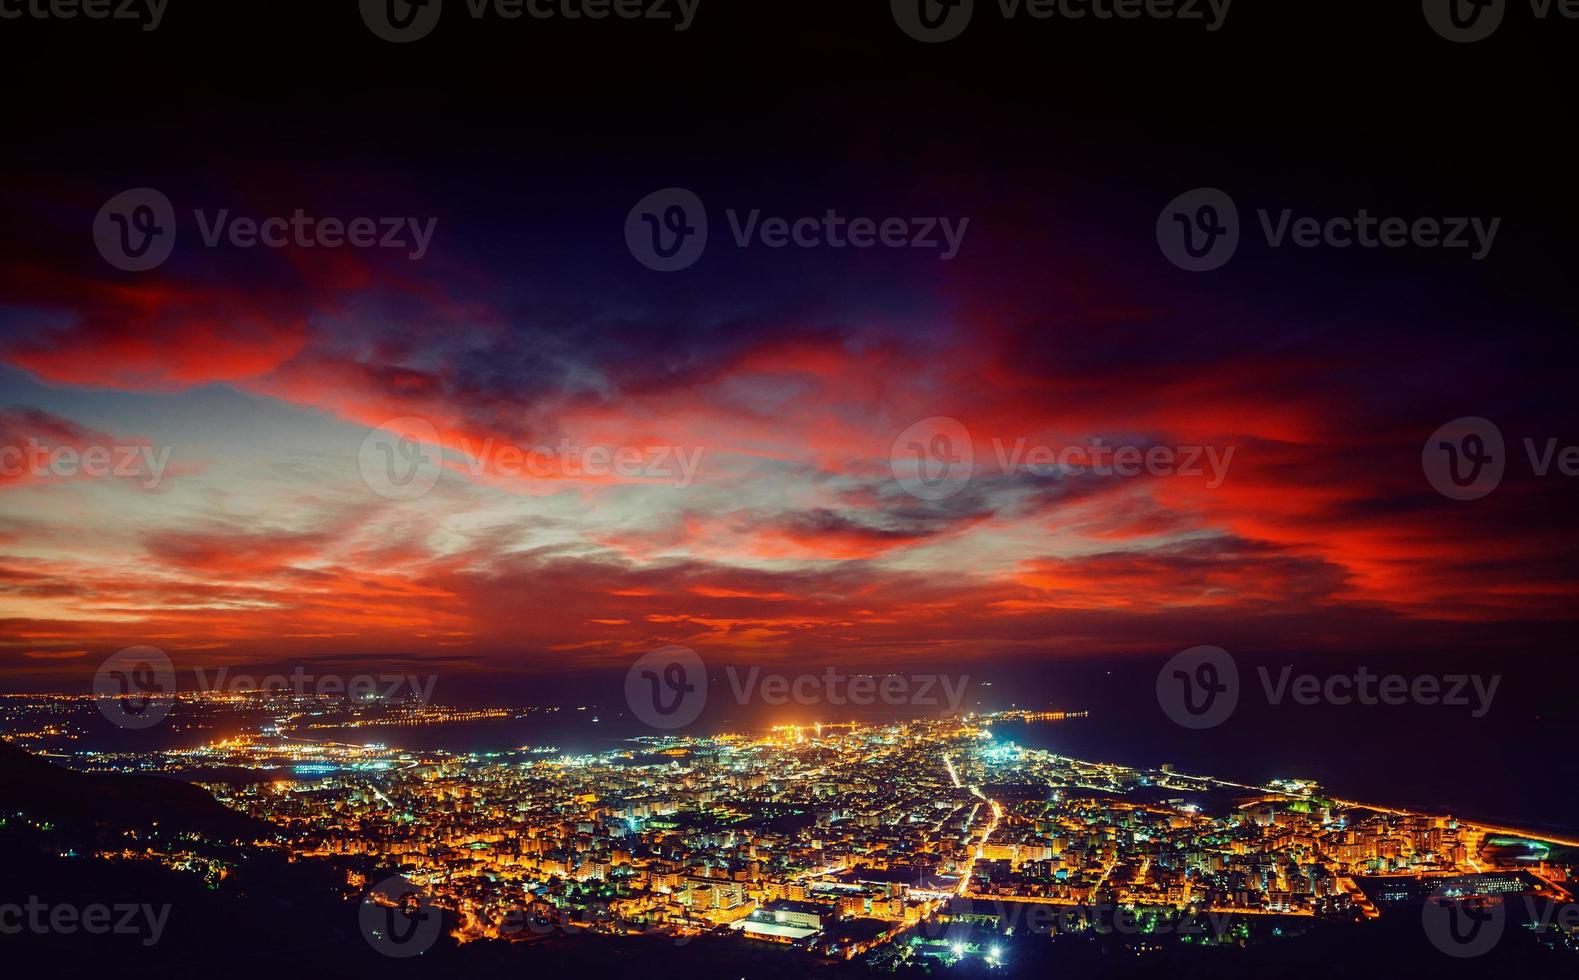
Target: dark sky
x,y
251,377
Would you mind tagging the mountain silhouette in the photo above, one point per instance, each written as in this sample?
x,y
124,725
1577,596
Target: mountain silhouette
x,y
110,803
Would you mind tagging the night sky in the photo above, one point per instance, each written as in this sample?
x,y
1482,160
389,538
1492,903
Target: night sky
x,y
529,322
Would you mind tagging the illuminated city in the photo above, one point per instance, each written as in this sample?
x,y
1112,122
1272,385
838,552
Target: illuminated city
x,y
929,841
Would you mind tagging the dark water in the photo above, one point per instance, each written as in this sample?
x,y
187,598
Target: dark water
x,y
1513,764
571,733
